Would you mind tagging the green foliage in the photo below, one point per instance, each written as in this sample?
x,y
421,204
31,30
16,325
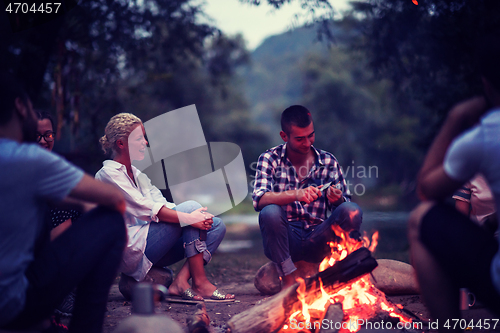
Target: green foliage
x,y
274,79
26,53
427,51
211,84
144,57
358,118
420,60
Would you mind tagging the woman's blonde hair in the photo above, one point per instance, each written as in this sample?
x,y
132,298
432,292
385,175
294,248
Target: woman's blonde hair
x,y
118,127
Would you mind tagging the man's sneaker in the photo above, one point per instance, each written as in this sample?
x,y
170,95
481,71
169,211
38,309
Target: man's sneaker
x,y
66,307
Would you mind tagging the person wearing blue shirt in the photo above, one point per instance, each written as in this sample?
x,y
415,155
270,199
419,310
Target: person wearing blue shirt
x,y
36,274
448,250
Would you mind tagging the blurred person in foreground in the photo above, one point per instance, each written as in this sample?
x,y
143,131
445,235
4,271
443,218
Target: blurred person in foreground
x,y
448,250
36,274
293,216
156,236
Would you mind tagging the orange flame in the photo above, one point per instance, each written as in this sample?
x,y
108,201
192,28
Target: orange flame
x,y
374,242
415,2
360,299
301,295
345,246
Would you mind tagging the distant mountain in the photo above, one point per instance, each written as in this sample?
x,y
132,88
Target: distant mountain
x,y
273,81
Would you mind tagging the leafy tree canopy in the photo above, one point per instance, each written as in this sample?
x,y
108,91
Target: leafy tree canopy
x,y
144,57
427,50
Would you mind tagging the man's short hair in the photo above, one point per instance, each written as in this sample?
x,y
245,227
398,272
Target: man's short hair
x,y
10,89
488,58
296,115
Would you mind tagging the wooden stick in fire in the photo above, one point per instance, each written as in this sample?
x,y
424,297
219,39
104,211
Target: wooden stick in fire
x,y
270,315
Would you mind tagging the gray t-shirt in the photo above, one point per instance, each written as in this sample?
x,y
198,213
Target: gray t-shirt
x,y
478,151
30,176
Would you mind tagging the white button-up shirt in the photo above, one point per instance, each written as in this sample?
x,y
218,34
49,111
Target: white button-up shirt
x,y
144,201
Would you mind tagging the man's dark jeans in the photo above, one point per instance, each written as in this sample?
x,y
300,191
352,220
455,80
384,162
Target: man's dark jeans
x,y
288,242
86,256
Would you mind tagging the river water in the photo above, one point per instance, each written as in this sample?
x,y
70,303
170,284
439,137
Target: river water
x,y
368,218
391,226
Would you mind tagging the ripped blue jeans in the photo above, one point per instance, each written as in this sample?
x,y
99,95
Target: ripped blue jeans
x,y
168,243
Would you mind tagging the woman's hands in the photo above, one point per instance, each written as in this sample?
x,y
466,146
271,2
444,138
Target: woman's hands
x,y
202,219
199,218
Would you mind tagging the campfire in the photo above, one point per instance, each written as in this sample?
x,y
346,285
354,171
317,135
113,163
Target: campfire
x,y
360,299
342,291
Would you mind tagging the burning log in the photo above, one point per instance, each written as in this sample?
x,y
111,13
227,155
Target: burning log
x,y
270,315
356,264
266,317
391,277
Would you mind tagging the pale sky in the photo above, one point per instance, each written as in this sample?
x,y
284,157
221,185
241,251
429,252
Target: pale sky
x,y
256,23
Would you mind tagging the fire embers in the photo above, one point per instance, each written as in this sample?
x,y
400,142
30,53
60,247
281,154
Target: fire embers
x,y
360,300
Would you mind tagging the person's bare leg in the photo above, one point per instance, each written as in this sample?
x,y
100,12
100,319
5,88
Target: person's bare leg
x,y
181,283
201,285
438,292
57,231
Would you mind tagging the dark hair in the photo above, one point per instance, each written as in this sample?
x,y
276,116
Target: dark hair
x,y
295,115
10,89
488,57
45,115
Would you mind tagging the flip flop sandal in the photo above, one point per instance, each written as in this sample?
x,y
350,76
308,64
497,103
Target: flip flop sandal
x,y
187,297
218,297
189,294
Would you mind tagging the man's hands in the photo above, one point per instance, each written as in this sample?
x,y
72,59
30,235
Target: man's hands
x,y
304,195
312,193
308,194
97,192
334,195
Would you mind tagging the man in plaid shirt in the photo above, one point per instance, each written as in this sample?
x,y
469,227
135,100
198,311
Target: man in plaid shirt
x,y
294,211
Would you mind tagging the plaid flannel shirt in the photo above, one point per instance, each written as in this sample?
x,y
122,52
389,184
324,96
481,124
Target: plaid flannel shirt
x,y
275,173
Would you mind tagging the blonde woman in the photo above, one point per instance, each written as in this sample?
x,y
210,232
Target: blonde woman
x,y
155,237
